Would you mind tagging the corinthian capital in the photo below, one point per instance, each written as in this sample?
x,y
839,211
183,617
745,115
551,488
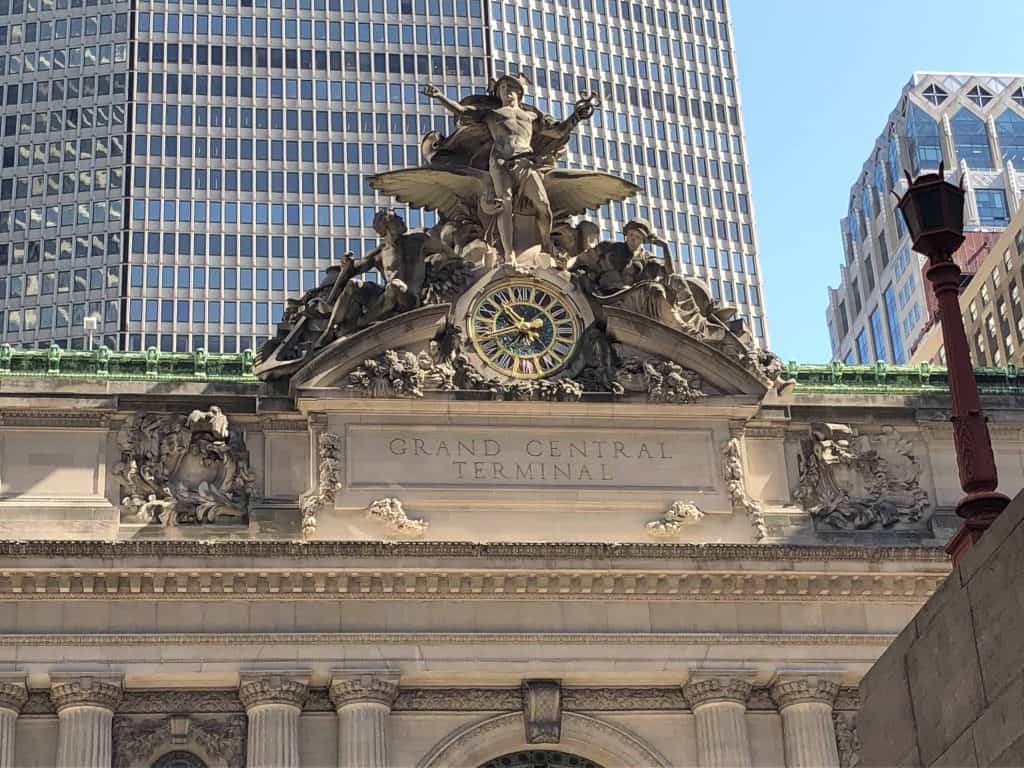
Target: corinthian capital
x,y
788,691
366,688
85,692
273,689
13,694
714,689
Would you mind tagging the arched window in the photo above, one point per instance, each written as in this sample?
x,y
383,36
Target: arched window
x,y
923,136
179,759
1010,129
971,139
539,758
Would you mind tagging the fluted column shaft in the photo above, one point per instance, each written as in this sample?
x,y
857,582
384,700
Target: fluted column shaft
x,y
8,719
13,695
273,739
808,732
85,714
720,709
363,735
364,705
273,705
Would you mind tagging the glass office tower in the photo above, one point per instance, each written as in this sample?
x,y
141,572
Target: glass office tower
x,y
177,169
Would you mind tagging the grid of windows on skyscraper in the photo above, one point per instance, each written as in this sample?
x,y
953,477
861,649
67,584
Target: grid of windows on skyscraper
x,y
177,169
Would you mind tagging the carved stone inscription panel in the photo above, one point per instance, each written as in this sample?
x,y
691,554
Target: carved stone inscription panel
x,y
417,456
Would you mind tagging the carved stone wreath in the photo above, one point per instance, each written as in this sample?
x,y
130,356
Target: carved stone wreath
x,y
854,482
178,470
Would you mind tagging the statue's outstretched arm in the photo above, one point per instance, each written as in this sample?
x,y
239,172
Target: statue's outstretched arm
x,y
583,110
433,92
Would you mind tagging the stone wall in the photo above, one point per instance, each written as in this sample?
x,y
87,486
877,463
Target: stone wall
x,y
950,689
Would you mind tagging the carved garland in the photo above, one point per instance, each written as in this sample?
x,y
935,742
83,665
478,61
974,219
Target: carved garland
x,y
178,701
736,486
329,452
847,739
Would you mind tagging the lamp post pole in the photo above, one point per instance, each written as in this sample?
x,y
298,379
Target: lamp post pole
x,y
933,210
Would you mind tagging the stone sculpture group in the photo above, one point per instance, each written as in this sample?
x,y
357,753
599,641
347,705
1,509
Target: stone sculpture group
x,y
500,199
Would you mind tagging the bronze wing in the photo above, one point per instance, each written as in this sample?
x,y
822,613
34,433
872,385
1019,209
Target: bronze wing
x,y
573,192
454,193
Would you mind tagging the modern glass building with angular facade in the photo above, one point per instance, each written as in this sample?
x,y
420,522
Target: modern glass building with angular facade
x,y
974,125
175,170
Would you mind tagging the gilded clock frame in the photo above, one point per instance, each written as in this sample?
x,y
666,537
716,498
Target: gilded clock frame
x,y
559,297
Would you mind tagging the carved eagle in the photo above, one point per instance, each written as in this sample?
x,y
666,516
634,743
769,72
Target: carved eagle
x,y
213,421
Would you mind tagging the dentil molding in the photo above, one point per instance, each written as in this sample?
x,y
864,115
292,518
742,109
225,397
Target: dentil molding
x,y
99,582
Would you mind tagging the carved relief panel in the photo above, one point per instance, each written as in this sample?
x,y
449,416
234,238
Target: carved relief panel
x,y
849,480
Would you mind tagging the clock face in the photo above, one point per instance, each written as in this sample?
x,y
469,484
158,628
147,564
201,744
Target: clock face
x,y
523,329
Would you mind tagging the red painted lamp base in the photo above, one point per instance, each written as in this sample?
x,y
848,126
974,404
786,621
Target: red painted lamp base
x,y
979,511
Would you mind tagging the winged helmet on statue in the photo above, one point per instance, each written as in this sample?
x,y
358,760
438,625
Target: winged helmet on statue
x,y
497,169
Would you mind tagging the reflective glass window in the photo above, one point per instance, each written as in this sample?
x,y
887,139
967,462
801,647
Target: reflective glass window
x,y
971,139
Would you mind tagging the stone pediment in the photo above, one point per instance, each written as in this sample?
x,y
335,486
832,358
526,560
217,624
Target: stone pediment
x,y
724,374
519,333
411,335
331,367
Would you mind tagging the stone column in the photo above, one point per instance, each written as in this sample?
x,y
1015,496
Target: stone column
x,y
85,711
719,705
807,729
13,695
364,705
273,704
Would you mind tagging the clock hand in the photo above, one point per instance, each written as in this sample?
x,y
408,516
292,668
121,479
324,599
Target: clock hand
x,y
499,332
520,327
515,315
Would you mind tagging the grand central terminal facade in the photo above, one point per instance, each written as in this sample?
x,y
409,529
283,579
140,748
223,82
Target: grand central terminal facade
x,y
516,498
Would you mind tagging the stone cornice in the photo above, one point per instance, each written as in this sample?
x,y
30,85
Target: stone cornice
x,y
313,550
62,419
786,692
716,689
273,689
12,695
126,639
363,689
101,581
85,692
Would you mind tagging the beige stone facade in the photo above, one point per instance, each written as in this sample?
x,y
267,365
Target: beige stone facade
x,y
991,306
380,603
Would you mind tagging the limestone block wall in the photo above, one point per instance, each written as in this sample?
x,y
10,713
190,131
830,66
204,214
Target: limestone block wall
x,y
949,689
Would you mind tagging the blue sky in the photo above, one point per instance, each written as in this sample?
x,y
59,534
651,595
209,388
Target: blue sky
x,y
818,80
